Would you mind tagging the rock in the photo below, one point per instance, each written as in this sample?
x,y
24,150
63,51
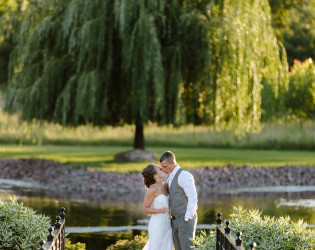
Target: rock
x,y
65,181
136,155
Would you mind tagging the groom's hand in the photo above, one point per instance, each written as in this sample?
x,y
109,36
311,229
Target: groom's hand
x,y
163,210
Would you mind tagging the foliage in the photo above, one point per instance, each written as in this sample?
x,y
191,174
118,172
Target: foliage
x,y
299,34
133,62
106,54
280,10
74,246
294,25
11,14
204,62
268,102
136,244
5,50
268,232
300,98
204,241
244,51
297,100
21,227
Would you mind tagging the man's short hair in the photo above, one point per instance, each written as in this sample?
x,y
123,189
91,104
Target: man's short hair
x,y
167,155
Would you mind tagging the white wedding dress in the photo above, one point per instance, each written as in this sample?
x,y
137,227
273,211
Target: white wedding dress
x,y
160,231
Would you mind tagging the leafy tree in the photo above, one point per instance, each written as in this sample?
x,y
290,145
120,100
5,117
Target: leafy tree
x,y
101,62
10,19
244,52
294,25
299,35
280,10
170,62
300,97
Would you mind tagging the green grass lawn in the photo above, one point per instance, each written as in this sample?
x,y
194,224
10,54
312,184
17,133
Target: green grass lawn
x,y
102,157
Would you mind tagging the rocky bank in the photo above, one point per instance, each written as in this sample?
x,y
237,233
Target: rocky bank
x,y
65,181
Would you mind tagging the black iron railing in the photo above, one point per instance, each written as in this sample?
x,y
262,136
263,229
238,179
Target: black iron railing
x,y
225,241
56,236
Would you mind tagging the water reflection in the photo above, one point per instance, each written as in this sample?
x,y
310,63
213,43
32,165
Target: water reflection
x,y
84,213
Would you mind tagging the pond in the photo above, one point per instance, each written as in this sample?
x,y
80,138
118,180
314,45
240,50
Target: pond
x,y
99,224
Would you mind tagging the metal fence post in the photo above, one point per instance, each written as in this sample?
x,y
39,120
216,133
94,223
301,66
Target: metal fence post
x,y
219,242
239,240
42,245
252,246
56,236
224,239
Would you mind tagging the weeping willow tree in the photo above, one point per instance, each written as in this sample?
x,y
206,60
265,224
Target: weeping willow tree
x,y
104,62
11,14
244,52
133,61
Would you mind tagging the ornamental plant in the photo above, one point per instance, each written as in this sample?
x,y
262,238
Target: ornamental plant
x,y
20,226
137,243
74,246
268,232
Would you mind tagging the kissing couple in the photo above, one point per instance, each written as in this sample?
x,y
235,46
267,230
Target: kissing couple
x,y
172,205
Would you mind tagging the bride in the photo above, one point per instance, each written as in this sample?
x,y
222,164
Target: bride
x,y
156,204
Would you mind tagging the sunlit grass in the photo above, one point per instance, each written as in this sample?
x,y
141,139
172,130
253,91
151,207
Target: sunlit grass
x,y
92,147
102,157
275,135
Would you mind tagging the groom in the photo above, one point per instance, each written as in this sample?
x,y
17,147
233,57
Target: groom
x,y
182,201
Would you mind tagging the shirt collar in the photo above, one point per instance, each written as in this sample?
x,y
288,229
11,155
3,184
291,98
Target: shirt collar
x,y
175,170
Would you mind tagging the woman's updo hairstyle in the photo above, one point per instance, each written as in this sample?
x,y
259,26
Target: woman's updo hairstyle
x,y
148,175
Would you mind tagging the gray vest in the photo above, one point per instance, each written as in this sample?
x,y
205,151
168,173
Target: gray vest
x,y
177,197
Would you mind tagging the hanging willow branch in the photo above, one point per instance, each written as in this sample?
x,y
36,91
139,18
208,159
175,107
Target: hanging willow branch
x,y
244,50
134,61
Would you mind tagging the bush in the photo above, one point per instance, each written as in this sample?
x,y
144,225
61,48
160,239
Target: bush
x,y
268,232
76,246
136,244
21,227
300,98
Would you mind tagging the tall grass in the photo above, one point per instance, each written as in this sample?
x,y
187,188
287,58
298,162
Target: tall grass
x,y
273,135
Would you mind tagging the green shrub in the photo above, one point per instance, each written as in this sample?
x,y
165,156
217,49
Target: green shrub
x,y
74,246
21,227
204,241
136,244
268,232
300,98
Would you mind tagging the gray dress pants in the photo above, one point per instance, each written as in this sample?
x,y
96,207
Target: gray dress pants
x,y
183,231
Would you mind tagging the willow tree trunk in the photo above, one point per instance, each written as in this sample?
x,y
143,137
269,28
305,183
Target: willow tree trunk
x,y
139,137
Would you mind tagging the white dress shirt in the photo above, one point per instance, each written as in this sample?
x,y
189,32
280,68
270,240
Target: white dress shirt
x,y
187,183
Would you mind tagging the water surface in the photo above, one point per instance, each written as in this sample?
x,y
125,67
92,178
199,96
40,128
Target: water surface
x,y
101,223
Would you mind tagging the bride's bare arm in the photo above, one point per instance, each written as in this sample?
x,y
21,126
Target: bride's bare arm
x,y
148,200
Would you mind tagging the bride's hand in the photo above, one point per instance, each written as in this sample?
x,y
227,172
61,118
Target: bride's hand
x,y
163,210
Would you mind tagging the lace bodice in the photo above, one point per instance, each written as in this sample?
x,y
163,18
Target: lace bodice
x,y
160,201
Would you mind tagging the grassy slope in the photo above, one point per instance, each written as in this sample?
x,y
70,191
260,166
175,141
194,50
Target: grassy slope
x,y
101,157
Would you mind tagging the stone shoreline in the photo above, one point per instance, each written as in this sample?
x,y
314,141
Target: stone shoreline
x,y
64,181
